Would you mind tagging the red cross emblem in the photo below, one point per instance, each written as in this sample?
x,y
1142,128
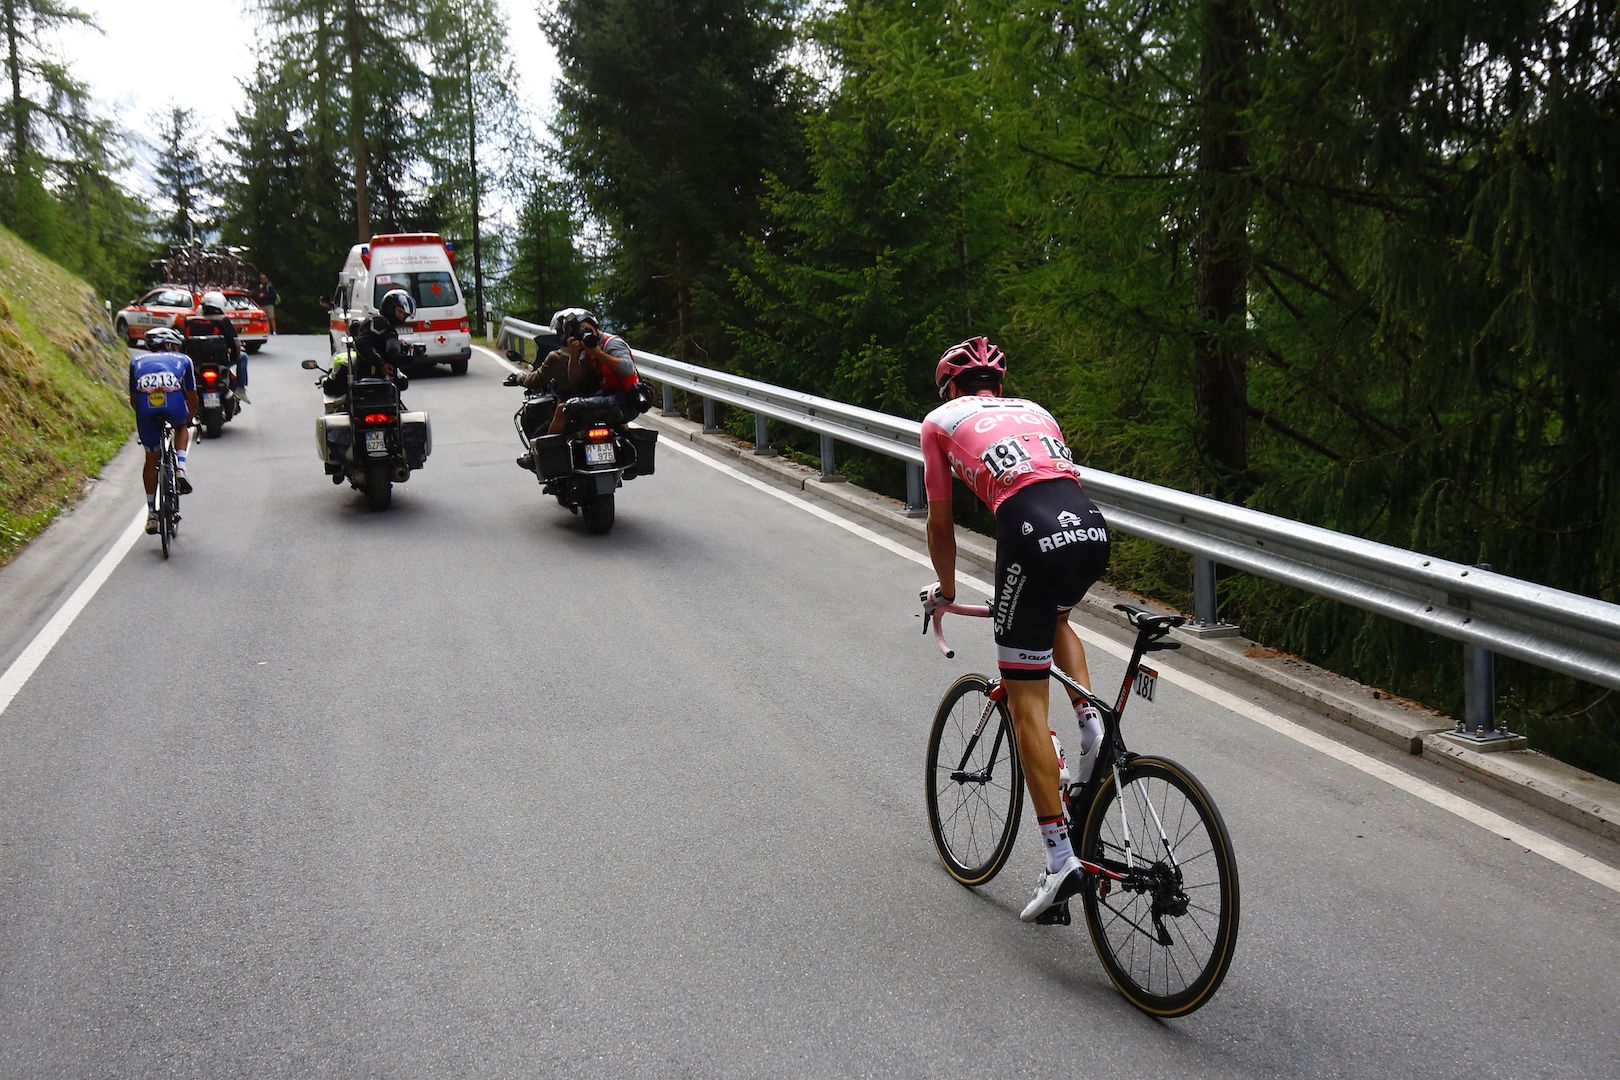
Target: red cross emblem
x,y
441,339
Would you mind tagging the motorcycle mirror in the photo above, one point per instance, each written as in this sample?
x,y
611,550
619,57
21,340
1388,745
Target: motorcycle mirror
x,y
515,356
310,365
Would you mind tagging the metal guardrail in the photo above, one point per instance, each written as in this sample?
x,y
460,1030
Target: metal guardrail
x,y
1490,612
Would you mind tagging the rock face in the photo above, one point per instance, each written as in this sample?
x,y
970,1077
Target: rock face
x,y
63,407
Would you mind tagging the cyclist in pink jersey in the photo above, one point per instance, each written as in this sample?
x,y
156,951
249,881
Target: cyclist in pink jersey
x,y
1051,546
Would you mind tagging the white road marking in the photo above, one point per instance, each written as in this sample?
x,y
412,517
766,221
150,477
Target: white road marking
x,y
34,654
1545,846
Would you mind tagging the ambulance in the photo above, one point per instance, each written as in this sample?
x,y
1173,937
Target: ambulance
x,y
419,263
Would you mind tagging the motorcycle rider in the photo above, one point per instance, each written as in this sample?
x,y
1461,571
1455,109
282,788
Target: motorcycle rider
x,y
553,373
376,349
607,356
162,386
209,322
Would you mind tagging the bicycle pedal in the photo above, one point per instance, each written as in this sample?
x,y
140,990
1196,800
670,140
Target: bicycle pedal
x,y
1056,915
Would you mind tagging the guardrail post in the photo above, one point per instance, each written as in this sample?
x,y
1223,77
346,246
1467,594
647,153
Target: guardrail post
x,y
916,501
669,399
829,468
1479,695
1206,610
709,425
1478,727
762,437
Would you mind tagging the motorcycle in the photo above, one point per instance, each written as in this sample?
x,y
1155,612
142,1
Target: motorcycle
x,y
367,438
219,401
590,459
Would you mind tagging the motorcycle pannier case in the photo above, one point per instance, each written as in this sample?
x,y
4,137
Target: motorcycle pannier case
x,y
551,456
417,436
645,442
333,437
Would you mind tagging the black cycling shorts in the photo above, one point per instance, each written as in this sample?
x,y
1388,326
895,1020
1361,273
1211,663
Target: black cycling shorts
x,y
1051,546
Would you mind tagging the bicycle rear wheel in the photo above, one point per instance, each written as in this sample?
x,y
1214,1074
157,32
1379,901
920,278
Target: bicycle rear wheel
x,y
974,784
1166,932
166,496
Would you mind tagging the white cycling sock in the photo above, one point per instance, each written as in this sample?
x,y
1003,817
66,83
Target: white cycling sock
x,y
1091,733
1055,835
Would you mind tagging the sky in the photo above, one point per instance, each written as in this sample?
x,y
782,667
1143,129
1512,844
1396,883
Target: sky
x,y
133,87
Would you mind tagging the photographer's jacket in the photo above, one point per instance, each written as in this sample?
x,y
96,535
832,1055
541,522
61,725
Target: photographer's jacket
x,y
618,372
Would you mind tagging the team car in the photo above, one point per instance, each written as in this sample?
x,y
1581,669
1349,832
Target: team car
x,y
169,305
165,305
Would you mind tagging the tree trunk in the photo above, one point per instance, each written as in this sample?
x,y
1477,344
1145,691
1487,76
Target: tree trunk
x,y
19,108
358,144
1221,252
683,301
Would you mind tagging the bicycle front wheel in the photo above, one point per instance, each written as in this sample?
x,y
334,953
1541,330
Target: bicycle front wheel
x,y
974,784
1165,931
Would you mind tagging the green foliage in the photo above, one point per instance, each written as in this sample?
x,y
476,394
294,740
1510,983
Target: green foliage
x,y
669,117
278,199
56,185
548,271
63,410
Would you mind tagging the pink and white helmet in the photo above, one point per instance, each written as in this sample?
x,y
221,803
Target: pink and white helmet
x,y
974,354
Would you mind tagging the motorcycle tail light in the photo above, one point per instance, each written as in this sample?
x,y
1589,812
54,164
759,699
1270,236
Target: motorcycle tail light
x,y
377,418
210,375
598,434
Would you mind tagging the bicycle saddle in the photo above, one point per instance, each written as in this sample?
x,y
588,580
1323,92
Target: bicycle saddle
x,y
1157,625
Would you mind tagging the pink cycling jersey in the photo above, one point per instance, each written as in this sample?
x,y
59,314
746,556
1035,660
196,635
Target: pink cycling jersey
x,y
996,445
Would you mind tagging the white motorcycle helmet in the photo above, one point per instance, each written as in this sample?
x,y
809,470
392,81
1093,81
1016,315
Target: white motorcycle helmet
x,y
213,303
568,318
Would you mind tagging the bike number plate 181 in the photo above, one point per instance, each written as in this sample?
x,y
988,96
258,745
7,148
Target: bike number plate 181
x,y
1147,680
375,443
599,453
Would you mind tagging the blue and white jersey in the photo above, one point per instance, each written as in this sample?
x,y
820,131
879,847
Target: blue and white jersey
x,y
157,379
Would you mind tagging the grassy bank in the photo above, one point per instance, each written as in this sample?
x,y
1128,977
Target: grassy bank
x,y
63,409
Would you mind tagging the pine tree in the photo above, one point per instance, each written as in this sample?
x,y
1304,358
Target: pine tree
x,y
353,67
669,118
279,198
468,134
181,172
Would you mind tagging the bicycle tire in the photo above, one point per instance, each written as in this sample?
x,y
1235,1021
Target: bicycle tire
x,y
1174,979
166,500
974,835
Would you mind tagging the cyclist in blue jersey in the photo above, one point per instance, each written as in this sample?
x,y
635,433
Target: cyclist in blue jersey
x,y
162,386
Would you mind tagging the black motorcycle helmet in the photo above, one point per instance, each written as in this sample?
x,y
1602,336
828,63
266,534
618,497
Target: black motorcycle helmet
x,y
397,307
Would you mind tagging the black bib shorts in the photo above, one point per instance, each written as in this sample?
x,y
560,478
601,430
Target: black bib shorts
x,y
1051,546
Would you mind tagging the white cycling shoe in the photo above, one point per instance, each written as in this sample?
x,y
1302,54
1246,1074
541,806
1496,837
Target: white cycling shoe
x,y
1054,887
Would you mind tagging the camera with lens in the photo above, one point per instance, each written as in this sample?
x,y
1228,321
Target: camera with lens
x,y
589,337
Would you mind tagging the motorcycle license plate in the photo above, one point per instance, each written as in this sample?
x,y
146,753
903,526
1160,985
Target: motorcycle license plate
x,y
599,454
375,442
211,401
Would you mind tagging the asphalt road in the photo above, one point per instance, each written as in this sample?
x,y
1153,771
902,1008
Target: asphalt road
x,y
458,790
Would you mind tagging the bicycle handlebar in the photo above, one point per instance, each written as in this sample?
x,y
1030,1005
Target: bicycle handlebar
x,y
979,611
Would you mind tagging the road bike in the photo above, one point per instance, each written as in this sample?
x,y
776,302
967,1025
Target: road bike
x,y
168,488
1160,894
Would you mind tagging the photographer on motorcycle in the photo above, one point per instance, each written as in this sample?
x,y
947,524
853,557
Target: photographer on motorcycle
x,y
605,355
552,375
376,350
